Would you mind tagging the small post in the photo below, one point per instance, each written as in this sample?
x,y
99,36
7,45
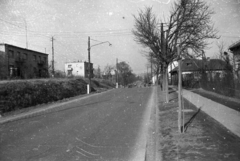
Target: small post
x,y
117,73
88,89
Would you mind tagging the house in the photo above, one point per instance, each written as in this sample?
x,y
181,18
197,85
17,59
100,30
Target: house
x,y
78,69
17,62
193,68
235,49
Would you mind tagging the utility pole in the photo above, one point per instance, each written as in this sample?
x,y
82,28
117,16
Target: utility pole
x,y
26,33
89,64
180,110
151,69
53,72
117,73
26,38
162,46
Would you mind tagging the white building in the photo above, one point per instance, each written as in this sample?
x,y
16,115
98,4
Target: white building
x,y
78,69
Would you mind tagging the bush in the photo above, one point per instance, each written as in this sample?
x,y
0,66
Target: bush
x,y
17,95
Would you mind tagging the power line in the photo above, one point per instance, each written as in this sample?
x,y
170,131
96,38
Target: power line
x,y
11,23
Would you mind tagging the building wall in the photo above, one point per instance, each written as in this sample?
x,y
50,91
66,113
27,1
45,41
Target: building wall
x,y
237,57
23,63
78,69
3,65
236,53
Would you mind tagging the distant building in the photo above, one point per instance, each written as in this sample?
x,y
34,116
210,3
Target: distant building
x,y
17,62
235,49
78,69
192,69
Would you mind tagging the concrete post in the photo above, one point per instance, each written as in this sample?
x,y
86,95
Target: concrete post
x,y
88,89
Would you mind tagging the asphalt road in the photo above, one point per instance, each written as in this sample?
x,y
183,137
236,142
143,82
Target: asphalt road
x,y
107,126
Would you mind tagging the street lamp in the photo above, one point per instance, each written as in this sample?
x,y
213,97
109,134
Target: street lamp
x,y
89,65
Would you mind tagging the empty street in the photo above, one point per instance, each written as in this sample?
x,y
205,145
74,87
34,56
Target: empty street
x,y
106,126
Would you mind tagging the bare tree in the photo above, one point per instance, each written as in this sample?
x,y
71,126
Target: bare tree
x,y
107,71
97,72
189,26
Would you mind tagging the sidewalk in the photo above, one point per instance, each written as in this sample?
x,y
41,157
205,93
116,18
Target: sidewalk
x,y
205,139
225,115
233,103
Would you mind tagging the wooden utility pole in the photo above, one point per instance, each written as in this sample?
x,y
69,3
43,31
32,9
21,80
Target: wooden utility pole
x,y
117,73
180,118
162,69
53,70
26,35
151,68
89,64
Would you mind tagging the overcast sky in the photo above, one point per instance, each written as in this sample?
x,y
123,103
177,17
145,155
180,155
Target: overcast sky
x,y
70,22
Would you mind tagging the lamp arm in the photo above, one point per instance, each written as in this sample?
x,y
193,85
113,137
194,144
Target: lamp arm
x,y
101,43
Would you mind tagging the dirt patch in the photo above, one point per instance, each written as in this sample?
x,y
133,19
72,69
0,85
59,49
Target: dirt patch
x,y
205,139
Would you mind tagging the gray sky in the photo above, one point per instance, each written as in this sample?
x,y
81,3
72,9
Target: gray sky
x,y
72,21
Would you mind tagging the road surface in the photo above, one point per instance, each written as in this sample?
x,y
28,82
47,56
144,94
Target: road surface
x,y
107,126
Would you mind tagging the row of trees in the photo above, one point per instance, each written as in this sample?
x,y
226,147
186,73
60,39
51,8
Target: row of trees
x,y
122,74
187,28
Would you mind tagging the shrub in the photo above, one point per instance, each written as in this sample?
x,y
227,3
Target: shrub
x,y
17,95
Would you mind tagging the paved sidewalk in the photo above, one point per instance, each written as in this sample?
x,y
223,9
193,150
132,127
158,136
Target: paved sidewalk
x,y
226,116
204,138
233,103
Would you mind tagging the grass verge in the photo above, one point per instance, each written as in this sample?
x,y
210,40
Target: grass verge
x,y
204,140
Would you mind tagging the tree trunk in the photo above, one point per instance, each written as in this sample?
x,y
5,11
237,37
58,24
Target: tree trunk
x,y
166,84
163,81
167,98
157,74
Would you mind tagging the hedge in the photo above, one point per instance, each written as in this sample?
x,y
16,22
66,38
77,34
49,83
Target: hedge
x,y
17,95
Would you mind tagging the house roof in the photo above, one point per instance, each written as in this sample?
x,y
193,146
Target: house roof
x,y
23,48
190,65
234,46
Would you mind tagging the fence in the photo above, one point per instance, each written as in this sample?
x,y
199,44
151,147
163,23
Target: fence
x,y
225,85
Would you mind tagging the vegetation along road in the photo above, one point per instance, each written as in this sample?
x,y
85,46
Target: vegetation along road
x,y
107,126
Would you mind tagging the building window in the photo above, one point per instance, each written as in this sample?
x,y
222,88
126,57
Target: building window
x,y
69,66
34,57
39,59
11,53
25,56
18,55
45,59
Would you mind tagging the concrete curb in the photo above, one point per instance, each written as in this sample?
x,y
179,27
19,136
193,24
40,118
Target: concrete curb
x,y
143,135
152,146
46,108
